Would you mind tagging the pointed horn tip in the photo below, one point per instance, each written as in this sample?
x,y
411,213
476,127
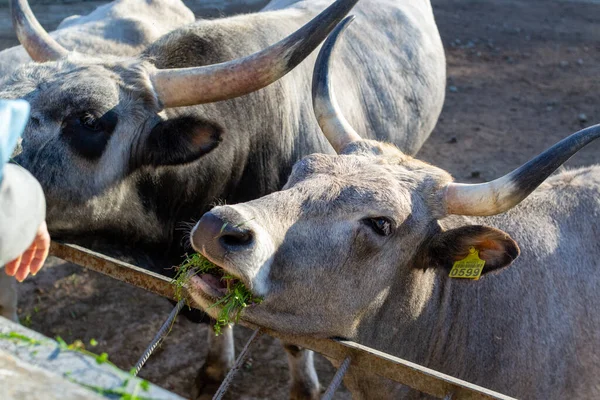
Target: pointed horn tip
x,y
338,30
504,193
348,19
321,69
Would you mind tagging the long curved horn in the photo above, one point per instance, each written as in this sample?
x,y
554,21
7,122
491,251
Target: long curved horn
x,y
189,86
335,127
499,195
37,42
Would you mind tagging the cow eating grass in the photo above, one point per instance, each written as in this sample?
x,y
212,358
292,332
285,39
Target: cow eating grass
x,y
360,245
121,145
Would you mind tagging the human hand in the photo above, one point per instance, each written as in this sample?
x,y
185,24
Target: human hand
x,y
33,258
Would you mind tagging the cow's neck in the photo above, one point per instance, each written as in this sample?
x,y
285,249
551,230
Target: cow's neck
x,y
405,326
435,327
447,332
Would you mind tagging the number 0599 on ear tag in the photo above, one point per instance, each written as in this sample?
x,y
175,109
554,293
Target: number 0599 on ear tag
x,y
469,267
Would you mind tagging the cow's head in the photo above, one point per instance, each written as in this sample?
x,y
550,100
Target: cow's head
x,y
347,230
96,120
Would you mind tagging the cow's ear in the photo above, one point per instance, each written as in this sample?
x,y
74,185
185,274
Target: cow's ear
x,y
177,141
495,247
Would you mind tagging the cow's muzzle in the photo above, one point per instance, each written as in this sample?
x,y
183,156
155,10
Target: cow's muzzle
x,y
217,235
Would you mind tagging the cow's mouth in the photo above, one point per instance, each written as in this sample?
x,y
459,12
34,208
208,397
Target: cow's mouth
x,y
214,284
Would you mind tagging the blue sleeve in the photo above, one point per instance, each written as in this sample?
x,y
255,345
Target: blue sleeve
x,y
14,114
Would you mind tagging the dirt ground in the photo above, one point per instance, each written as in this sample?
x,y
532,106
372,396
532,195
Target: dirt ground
x,y
521,76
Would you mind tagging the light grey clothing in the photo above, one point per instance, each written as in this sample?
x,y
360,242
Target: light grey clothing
x,y
22,210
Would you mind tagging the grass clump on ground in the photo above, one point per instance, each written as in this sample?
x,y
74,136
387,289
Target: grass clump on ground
x,y
232,303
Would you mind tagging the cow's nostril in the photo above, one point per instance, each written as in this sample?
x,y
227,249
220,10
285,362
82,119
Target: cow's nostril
x,y
217,235
236,237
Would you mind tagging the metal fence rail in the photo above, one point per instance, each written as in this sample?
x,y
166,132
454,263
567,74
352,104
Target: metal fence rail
x,y
405,372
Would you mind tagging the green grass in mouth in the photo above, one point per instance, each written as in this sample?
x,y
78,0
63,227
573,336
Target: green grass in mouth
x,y
232,303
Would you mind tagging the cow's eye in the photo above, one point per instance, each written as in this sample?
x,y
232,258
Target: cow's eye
x,y
90,122
381,225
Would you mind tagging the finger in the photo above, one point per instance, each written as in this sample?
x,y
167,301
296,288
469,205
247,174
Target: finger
x,y
27,256
11,267
42,242
22,273
38,260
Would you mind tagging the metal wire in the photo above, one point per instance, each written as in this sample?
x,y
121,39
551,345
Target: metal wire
x,y
162,332
236,367
337,379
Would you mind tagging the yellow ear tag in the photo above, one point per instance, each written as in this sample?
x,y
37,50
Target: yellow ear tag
x,y
469,267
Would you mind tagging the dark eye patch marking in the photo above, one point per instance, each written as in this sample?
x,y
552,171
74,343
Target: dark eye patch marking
x,y
88,134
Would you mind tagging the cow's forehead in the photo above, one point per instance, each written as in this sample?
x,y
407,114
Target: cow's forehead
x,y
367,171
353,183
62,79
333,165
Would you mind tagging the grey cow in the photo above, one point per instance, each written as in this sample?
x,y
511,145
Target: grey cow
x,y
360,246
127,149
122,27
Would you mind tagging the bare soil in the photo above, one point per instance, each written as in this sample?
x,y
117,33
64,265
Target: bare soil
x,y
521,76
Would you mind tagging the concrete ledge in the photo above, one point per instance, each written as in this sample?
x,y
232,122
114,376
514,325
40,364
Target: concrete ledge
x,y
23,381
33,366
